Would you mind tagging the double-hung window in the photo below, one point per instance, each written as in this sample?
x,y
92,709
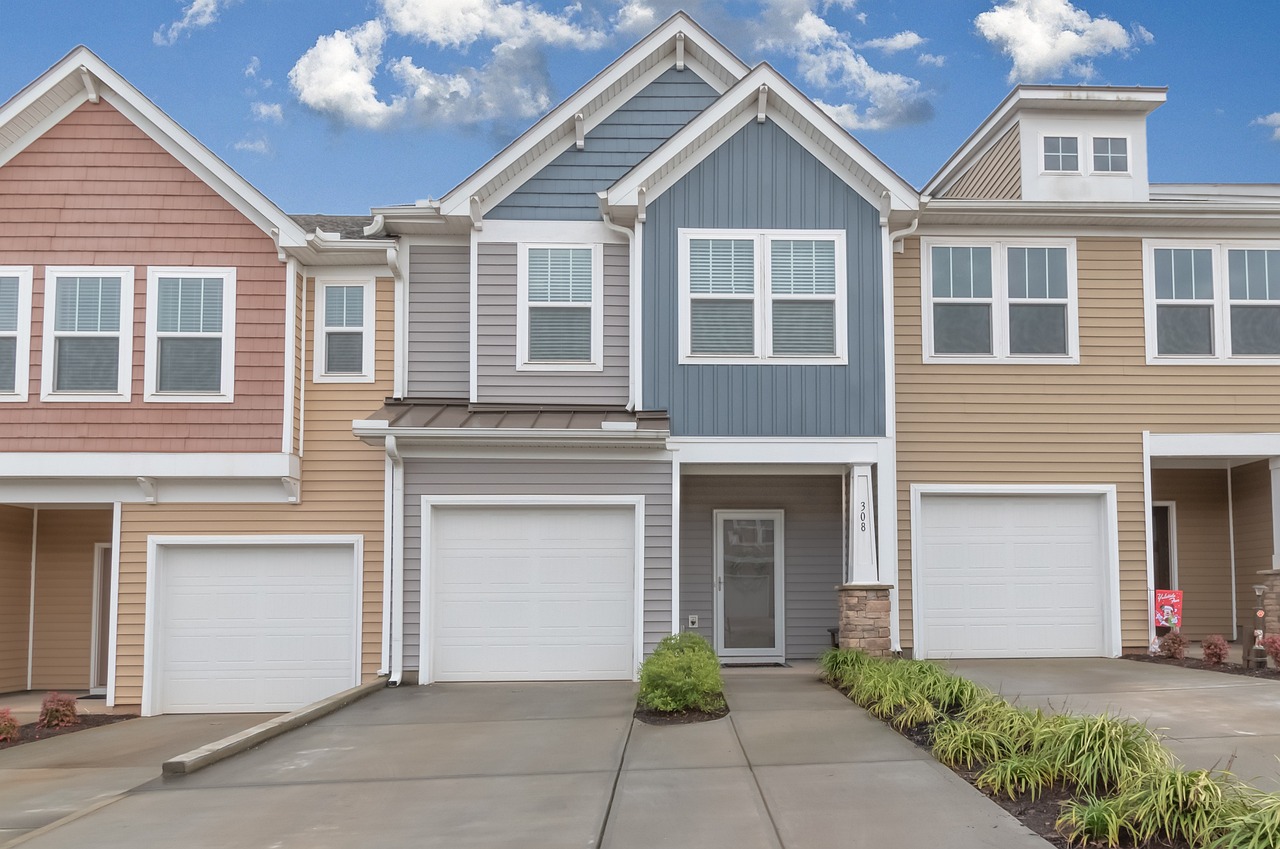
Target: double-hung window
x,y
1010,300
1213,302
344,331
762,296
15,332
87,353
190,347
560,315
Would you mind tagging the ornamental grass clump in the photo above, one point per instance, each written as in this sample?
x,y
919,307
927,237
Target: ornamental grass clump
x,y
1255,825
682,674
1091,819
959,744
1102,753
839,667
1178,804
58,711
1020,774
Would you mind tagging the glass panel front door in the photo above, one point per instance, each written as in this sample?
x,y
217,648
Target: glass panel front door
x,y
749,583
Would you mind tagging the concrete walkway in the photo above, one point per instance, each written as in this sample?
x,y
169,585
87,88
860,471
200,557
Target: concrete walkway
x,y
466,766
43,782
1211,720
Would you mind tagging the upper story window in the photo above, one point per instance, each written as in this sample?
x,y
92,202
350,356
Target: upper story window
x,y
1213,302
1111,155
1062,154
560,315
15,332
190,345
1000,301
88,345
762,296
345,331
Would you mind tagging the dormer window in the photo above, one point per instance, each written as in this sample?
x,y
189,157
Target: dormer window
x,y
1062,154
1111,155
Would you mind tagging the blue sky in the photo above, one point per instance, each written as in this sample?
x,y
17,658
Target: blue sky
x,y
335,106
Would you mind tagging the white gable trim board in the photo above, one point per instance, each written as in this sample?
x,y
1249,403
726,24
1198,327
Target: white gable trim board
x,y
263,657
565,635
1071,612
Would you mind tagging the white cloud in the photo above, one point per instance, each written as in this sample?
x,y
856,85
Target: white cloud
x,y
1047,39
1272,121
1143,34
259,146
460,23
267,111
513,85
196,15
336,77
895,43
255,65
931,60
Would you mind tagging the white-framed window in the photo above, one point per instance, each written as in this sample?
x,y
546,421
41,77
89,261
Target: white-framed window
x,y
87,352
1060,154
1011,300
191,333
773,296
1212,302
15,332
559,307
1109,154
344,331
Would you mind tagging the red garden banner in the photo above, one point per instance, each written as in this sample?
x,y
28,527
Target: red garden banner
x,y
1169,609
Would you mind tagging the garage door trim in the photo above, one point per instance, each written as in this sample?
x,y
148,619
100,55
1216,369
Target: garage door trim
x,y
155,575
426,625
1110,544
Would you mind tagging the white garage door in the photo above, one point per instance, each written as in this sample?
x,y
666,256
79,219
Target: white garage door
x,y
253,627
532,593
1011,576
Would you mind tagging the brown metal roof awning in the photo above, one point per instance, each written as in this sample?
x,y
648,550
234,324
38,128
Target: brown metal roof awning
x,y
431,419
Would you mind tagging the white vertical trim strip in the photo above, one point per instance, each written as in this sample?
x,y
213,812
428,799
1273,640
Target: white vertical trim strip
x,y
388,506
397,571
1146,524
637,323
31,603
1231,530
676,624
890,366
113,632
302,395
887,537
638,545
95,617
290,353
400,328
473,344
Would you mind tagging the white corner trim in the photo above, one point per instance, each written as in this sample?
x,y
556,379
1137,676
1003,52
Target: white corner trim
x,y
114,625
291,353
75,464
125,333
227,336
21,334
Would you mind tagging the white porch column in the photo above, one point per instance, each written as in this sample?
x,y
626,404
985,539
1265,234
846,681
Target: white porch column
x,y
1275,513
861,566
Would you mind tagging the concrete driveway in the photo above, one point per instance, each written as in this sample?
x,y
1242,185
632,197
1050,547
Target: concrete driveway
x,y
1212,720
466,766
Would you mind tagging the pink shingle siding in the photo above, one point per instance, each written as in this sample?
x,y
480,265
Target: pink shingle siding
x,y
95,190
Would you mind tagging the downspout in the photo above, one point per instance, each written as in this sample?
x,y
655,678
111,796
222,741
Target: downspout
x,y
633,298
388,531
397,562
898,237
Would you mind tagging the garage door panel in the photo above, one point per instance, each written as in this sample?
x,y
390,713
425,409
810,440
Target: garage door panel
x,y
1007,576
529,593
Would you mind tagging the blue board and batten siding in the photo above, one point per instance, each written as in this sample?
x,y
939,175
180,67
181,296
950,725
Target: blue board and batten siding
x,y
763,178
565,190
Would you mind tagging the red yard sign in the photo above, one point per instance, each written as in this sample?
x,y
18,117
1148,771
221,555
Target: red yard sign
x,y
1168,609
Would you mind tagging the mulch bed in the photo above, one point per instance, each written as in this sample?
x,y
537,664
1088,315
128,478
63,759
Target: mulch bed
x,y
31,732
1196,663
683,717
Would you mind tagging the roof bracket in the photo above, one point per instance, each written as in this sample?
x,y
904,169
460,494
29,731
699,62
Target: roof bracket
x,y
762,100
477,216
640,202
679,51
579,132
291,489
393,262
148,487
90,85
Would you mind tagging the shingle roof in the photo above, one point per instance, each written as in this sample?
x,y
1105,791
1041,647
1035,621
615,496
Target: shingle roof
x,y
346,226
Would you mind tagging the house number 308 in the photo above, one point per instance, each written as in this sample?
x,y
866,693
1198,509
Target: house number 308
x,y
862,516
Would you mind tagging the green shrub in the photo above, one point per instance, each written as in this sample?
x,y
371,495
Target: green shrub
x,y
840,666
916,710
1102,753
1093,819
1173,645
959,744
1271,645
8,726
683,673
953,694
58,711
1177,804
1214,648
879,682
1254,825
1019,774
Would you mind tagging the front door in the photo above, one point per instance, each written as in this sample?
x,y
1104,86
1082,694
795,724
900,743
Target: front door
x,y
748,587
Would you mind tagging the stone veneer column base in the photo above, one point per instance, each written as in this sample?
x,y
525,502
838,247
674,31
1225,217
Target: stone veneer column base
x,y
864,618
1270,603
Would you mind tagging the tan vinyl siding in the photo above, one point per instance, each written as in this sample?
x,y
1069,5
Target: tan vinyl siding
x,y
813,535
15,596
1025,424
440,321
1251,521
63,641
997,175
1203,545
498,380
342,493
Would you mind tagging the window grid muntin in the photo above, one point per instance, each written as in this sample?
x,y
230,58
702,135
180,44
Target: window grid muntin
x,y
1111,154
1062,153
346,317
77,299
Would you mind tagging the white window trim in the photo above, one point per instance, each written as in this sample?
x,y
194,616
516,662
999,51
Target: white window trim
x,y
522,309
22,354
999,302
1080,153
321,331
151,361
1221,303
762,299
124,385
1128,146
